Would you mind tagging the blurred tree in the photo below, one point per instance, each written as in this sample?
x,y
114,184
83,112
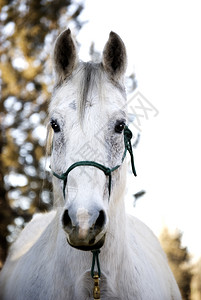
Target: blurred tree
x,y
28,29
178,258
196,281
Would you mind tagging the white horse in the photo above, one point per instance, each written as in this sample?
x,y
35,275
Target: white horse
x,y
89,139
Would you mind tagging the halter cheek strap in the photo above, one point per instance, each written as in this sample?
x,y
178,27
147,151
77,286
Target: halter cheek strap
x,y
107,171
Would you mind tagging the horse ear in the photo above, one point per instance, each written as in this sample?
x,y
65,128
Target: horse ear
x,y
114,56
65,55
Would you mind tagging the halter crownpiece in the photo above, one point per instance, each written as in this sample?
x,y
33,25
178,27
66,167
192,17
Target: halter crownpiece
x,y
107,171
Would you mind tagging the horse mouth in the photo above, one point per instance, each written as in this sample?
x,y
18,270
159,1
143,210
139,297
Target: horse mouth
x,y
88,247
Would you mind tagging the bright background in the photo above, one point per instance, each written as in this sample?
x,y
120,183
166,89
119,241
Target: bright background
x,y
164,50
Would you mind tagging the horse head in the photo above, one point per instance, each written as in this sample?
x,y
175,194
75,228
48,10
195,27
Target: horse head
x,y
87,117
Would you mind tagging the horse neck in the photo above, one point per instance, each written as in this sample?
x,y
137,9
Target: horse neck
x,y
116,212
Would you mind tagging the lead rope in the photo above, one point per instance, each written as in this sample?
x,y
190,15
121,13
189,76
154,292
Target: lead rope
x,y
96,275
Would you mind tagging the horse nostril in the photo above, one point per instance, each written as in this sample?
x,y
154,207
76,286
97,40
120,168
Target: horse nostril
x,y
100,222
66,220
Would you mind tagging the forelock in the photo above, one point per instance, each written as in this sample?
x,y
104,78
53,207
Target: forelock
x,y
89,78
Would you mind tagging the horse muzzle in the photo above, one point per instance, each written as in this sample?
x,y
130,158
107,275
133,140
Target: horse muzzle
x,y
85,230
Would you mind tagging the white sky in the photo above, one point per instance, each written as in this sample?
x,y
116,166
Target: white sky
x,y
164,49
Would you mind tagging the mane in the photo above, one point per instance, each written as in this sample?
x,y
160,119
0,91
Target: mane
x,y
49,139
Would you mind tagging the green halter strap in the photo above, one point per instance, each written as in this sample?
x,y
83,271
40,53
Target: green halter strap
x,y
107,171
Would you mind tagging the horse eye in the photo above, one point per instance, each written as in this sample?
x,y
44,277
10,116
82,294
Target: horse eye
x,y
119,127
55,125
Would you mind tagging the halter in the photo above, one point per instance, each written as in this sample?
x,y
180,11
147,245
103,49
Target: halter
x,y
107,171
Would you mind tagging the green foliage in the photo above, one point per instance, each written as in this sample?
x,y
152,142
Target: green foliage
x,y
29,29
178,258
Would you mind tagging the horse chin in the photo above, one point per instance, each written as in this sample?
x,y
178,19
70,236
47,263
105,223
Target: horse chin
x,y
83,247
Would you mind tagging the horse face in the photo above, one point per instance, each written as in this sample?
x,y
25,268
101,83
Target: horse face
x,y
87,115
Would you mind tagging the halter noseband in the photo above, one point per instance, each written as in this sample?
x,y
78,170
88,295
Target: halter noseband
x,y
107,171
